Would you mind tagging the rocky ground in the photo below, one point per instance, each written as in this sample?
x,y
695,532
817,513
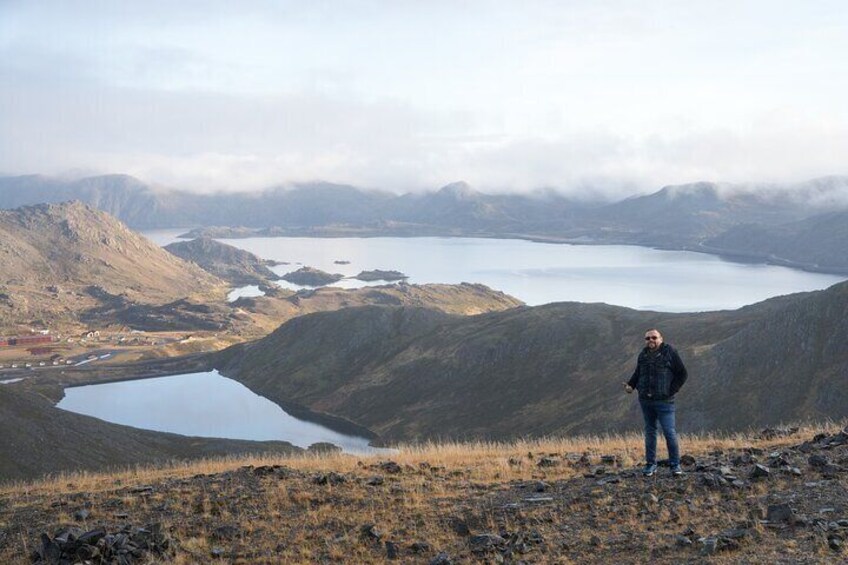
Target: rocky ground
x,y
780,499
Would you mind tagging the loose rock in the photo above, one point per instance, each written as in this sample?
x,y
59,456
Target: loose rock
x,y
778,513
441,559
760,472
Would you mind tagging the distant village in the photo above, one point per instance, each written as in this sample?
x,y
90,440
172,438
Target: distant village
x,y
55,350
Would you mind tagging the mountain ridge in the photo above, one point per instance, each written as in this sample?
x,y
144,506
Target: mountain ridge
x,y
687,216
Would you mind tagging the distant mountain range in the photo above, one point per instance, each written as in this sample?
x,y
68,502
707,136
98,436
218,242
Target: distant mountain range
x,y
142,206
410,374
749,222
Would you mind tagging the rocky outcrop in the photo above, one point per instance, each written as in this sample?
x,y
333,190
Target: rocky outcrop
x,y
128,545
234,265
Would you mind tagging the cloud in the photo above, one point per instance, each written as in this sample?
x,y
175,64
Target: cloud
x,y
206,141
409,96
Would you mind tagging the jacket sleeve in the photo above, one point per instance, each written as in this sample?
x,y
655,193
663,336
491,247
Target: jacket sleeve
x,y
634,379
678,369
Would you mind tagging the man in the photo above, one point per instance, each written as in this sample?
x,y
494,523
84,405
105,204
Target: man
x,y
658,376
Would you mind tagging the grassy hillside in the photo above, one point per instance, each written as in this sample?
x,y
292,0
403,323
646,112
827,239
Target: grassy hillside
x,y
409,374
819,242
579,500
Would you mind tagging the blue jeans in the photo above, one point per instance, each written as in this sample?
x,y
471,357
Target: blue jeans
x,y
663,412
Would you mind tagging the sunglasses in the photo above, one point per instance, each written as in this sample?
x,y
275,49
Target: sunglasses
x,y
651,338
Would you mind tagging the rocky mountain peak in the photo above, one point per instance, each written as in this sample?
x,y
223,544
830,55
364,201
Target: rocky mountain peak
x,y
699,190
73,221
74,246
460,190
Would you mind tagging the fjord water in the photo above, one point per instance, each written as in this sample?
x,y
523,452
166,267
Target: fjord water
x,y
201,404
538,273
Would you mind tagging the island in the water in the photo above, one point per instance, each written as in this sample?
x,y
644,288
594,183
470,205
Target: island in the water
x,y
310,276
378,275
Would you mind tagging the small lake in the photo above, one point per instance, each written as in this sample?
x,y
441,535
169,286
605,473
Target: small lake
x,y
201,404
244,292
538,273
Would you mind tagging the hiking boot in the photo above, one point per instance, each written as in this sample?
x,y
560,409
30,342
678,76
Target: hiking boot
x,y
676,470
649,469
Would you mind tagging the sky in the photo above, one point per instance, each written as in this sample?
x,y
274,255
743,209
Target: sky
x,y
603,96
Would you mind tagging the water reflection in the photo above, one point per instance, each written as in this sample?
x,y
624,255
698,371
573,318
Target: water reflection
x,y
201,404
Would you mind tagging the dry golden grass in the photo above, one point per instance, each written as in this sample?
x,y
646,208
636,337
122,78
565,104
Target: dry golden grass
x,y
482,461
288,518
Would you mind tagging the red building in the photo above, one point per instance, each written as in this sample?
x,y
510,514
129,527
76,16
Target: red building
x,y
25,340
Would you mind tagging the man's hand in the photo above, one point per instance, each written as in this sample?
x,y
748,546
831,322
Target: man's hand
x,y
627,388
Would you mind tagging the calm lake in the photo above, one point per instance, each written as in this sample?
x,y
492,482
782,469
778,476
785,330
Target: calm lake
x,y
538,273
201,404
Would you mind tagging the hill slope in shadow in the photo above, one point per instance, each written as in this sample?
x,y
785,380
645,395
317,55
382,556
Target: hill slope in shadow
x,y
410,374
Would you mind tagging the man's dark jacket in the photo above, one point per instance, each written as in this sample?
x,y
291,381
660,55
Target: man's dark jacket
x,y
658,376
